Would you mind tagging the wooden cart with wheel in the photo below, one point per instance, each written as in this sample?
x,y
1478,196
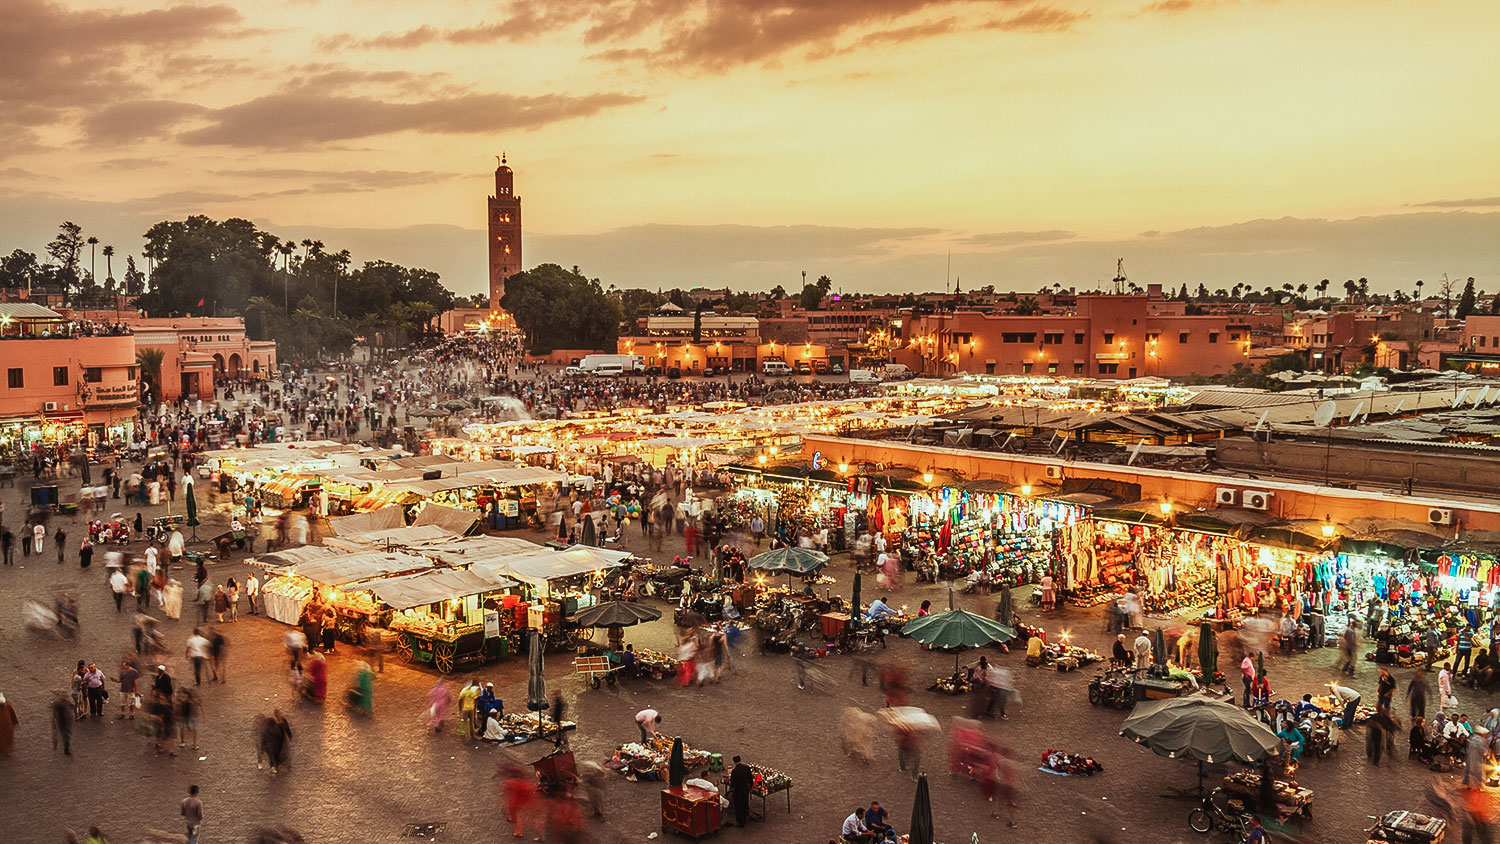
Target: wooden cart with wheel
x,y
596,668
442,649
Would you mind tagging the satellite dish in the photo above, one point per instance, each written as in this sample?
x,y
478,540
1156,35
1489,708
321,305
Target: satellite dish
x,y
1325,413
1399,405
1135,451
1484,393
1357,408
1459,399
1260,423
1285,299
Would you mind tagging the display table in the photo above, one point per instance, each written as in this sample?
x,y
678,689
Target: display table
x,y
834,624
1291,798
766,783
690,811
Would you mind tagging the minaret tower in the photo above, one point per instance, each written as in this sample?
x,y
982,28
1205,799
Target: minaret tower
x,y
505,232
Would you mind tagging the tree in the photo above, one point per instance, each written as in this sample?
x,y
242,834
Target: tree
x,y
150,360
1446,291
1466,299
812,296
135,280
558,309
1302,290
1350,288
777,292
824,284
1322,288
92,242
20,269
65,250
109,268
1026,306
638,302
1364,289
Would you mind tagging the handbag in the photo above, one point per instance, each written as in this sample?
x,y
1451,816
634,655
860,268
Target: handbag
x,y
1450,701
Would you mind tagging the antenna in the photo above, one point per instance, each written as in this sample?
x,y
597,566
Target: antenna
x,y
1119,275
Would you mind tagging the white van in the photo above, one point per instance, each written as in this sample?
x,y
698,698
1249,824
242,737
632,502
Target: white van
x,y
897,371
863,376
608,370
775,367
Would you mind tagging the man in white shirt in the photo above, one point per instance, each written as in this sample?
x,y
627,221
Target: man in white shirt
x,y
854,827
880,543
879,608
647,719
119,585
151,554
252,590
199,649
1349,698
39,536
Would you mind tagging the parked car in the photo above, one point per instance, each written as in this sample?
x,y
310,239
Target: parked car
x,y
675,372
653,370
804,368
837,369
573,370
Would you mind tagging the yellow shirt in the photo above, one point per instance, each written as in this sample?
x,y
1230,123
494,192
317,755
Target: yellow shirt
x,y
467,698
1034,646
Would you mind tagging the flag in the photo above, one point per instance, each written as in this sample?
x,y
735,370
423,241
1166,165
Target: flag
x,y
200,303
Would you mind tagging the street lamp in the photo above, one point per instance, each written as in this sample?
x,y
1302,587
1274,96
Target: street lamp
x,y
1328,528
1025,489
1166,508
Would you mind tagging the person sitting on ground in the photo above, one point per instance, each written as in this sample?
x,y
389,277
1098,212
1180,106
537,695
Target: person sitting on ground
x,y
492,729
854,829
1306,707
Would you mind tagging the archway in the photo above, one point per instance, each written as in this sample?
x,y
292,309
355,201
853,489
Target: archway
x,y
234,365
255,366
218,364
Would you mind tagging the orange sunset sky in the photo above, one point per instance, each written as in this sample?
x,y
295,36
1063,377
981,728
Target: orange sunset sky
x,y
740,142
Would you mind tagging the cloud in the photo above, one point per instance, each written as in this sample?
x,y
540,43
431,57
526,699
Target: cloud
x,y
343,181
123,123
1478,202
1017,238
717,34
301,118
55,55
1171,7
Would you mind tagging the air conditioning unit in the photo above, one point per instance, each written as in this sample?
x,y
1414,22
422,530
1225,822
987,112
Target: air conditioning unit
x,y
1054,472
1439,516
1255,499
50,406
1226,496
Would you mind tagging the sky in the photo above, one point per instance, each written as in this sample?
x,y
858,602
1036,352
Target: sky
x,y
889,144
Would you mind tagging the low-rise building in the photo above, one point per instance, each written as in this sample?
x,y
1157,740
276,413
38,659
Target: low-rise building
x,y
64,384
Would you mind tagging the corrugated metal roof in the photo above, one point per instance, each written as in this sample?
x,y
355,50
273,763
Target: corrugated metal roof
x,y
27,310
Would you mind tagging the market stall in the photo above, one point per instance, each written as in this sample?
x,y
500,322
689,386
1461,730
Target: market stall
x,y
329,577
448,617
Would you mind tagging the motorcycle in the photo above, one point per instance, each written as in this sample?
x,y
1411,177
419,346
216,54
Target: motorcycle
x,y
162,526
1113,689
1222,813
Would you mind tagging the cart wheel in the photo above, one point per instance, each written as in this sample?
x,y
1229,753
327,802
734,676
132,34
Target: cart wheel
x,y
594,682
403,647
1094,695
442,657
610,679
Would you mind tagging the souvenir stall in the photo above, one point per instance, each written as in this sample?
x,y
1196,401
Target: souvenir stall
x,y
648,761
994,536
556,585
449,618
338,578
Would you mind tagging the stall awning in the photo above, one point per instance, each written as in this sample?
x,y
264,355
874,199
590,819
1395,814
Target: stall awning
x,y
432,587
298,555
1292,540
459,522
556,565
357,568
1129,517
487,551
400,536
500,478
383,519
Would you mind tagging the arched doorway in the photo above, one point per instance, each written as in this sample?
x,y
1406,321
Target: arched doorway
x,y
218,364
255,366
234,365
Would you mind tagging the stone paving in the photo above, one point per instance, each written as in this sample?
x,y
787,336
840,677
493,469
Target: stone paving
x,y
360,779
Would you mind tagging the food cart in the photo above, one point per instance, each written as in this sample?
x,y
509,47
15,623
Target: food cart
x,y
341,578
447,617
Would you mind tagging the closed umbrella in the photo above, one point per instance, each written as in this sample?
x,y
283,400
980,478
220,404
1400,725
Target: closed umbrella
x,y
921,813
589,534
855,614
1208,651
1202,728
536,682
192,511
1158,648
676,768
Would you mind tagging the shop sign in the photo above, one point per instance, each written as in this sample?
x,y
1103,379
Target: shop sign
x,y
817,460
115,393
512,508
491,624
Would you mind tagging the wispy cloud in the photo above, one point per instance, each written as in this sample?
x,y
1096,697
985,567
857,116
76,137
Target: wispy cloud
x,y
1476,202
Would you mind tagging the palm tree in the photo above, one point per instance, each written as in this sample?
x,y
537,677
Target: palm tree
x,y
150,361
1419,289
1302,290
1322,287
109,267
92,242
306,247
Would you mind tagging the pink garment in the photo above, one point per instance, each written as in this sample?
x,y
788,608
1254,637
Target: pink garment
x,y
438,702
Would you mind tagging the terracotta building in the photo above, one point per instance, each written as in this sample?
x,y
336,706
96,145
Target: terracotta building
x,y
198,351
504,232
64,384
1104,336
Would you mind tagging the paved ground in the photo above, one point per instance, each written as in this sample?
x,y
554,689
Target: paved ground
x,y
358,779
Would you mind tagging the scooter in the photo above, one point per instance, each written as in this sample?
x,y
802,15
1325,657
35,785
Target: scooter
x,y
1221,813
1111,689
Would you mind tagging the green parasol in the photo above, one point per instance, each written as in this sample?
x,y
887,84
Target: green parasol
x,y
957,629
1208,652
789,560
